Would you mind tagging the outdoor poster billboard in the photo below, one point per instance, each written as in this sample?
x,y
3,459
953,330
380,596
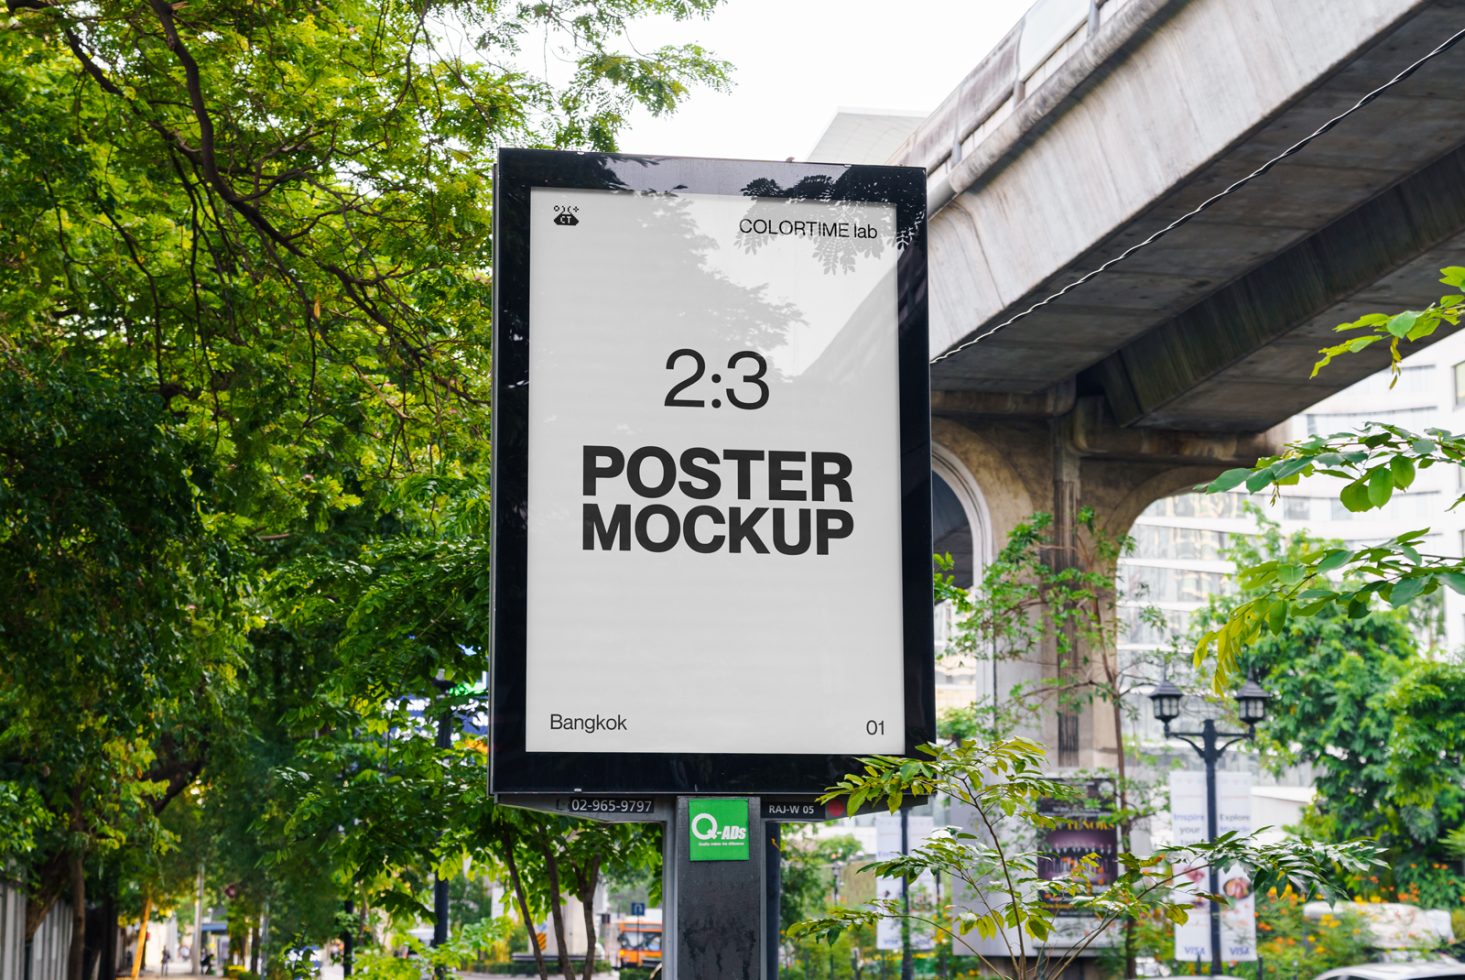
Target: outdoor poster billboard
x,y
711,473
1084,840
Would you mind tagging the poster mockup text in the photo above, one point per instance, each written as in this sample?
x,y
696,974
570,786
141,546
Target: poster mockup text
x,y
714,475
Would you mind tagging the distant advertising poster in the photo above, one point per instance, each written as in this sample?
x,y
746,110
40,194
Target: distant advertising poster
x,y
711,474
1083,840
921,893
1188,814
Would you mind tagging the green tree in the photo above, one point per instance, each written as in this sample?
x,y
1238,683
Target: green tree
x,y
810,867
1355,700
1423,748
243,294
117,625
1035,592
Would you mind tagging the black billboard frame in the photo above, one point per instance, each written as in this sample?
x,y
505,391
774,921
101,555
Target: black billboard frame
x,y
513,769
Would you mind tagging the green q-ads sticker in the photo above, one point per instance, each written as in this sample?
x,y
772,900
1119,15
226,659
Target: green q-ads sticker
x,y
718,830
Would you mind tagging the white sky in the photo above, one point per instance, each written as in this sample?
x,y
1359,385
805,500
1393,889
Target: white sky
x,y
798,61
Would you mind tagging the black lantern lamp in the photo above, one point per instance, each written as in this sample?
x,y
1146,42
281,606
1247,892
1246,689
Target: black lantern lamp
x,y
1166,701
1252,702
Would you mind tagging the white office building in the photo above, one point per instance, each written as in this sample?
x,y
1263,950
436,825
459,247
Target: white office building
x,y
1178,541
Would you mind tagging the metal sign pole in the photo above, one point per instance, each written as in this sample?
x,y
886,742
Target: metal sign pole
x,y
772,895
717,907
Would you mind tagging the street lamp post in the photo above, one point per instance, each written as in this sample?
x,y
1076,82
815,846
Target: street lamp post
x,y
1251,702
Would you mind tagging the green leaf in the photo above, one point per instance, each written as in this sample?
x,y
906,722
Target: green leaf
x,y
1453,275
1455,580
1259,479
1428,323
1333,560
1226,480
1355,496
1405,590
1380,486
1367,320
1401,323
1402,468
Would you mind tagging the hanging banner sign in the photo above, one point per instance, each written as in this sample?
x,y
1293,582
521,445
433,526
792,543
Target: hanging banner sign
x,y
921,893
1188,818
711,566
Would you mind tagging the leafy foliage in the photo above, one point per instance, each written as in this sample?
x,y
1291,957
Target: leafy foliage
x,y
245,262
1292,944
1374,721
1003,783
1409,326
1373,463
808,874
1036,592
116,620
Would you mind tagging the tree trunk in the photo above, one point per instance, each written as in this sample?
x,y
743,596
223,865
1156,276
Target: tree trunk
x,y
586,895
142,936
523,902
53,877
556,909
196,949
76,957
1124,827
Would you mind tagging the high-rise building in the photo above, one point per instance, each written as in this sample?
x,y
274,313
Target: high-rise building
x,y
1177,562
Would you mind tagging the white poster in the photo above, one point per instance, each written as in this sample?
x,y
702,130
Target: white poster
x,y
1188,814
714,532
921,892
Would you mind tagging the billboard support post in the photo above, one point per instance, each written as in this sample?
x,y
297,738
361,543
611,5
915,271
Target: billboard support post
x,y
711,440
718,929
772,895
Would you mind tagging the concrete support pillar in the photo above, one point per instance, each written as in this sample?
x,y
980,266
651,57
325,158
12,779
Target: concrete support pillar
x,y
1057,454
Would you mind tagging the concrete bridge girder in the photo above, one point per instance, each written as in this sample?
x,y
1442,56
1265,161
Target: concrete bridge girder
x,y
1169,102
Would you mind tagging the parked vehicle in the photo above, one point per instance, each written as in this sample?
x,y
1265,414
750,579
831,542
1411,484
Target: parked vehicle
x,y
1439,969
639,942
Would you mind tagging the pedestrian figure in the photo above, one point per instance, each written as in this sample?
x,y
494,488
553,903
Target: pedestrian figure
x,y
167,958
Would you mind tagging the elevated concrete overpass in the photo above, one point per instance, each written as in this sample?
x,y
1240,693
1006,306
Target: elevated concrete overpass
x,y
1091,125
1094,123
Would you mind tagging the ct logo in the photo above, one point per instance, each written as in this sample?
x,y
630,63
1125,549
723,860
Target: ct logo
x,y
704,820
